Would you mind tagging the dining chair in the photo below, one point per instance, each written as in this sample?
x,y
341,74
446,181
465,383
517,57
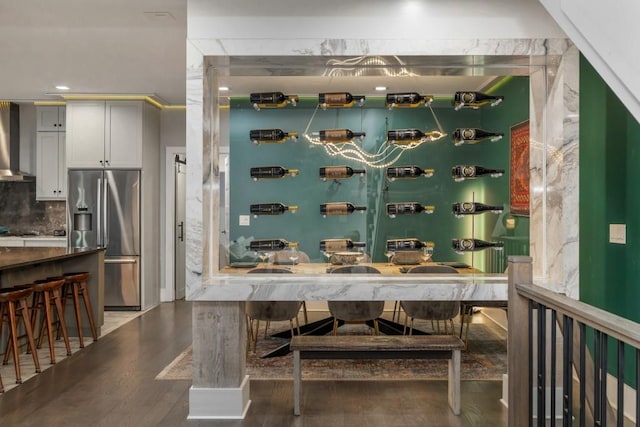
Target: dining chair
x,y
356,311
270,310
431,310
282,258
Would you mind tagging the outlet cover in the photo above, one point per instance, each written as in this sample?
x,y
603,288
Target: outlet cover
x,y
618,233
245,220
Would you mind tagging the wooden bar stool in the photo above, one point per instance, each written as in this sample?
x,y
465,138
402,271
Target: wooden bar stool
x,y
77,286
48,294
13,302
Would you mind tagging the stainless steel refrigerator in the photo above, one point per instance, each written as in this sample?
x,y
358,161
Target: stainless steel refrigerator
x,y
104,211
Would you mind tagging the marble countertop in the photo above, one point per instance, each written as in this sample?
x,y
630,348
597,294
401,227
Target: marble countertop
x,y
21,257
353,287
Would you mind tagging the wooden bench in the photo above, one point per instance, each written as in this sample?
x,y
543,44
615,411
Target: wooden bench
x,y
379,347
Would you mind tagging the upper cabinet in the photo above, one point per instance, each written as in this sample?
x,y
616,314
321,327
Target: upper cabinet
x,y
51,119
105,134
51,172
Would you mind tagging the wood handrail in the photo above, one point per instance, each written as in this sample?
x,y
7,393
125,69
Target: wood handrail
x,y
613,325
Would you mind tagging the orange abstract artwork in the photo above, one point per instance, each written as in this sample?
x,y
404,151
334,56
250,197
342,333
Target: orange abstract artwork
x,y
519,176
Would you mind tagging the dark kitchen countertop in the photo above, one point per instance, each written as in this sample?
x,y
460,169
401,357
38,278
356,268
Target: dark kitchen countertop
x,y
21,257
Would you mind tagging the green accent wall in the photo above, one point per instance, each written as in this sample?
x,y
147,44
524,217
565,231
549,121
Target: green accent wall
x,y
374,227
609,182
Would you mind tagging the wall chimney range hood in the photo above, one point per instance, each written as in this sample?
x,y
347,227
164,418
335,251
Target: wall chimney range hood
x,y
10,144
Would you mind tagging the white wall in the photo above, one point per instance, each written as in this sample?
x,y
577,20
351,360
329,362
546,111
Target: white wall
x,y
605,33
172,134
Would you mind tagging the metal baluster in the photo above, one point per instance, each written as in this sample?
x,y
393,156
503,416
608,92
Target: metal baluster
x,y
597,381
567,372
583,380
637,385
603,379
620,418
553,367
531,363
542,366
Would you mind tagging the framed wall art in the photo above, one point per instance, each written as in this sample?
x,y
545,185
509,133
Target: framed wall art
x,y
519,169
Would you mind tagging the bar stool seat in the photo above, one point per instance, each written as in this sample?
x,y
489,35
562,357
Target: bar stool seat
x,y
76,286
13,302
48,294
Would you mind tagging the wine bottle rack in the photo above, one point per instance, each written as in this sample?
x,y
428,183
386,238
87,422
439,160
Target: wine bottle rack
x,y
375,123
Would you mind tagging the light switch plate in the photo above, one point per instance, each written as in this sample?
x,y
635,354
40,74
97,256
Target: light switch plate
x,y
618,233
245,220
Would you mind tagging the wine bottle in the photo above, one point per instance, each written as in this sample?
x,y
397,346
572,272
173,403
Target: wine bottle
x,y
277,136
473,245
338,245
407,100
271,209
339,172
272,100
271,172
339,99
340,208
339,135
259,245
474,135
408,244
473,208
412,136
408,208
475,100
404,136
462,172
396,172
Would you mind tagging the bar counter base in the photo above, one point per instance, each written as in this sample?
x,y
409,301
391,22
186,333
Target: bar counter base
x,y
219,403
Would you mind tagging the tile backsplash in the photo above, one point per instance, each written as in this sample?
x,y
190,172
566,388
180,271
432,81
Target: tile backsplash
x,y
21,213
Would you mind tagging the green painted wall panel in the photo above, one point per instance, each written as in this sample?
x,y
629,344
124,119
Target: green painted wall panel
x,y
609,194
307,191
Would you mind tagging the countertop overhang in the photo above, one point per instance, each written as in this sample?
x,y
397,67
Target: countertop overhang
x,y
353,287
11,258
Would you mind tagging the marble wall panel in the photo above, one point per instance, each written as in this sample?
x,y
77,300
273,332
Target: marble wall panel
x,y
22,213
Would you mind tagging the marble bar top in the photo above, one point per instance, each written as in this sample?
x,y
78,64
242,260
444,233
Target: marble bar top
x,y
353,287
11,258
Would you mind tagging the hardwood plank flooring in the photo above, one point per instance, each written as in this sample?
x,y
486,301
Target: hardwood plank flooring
x,y
112,383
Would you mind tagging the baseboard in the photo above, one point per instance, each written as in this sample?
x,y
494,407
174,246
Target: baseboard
x,y
219,403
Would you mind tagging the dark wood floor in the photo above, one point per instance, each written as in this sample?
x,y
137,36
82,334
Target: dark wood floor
x,y
112,383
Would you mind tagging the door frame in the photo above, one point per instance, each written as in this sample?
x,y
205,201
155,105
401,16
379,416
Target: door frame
x,y
167,291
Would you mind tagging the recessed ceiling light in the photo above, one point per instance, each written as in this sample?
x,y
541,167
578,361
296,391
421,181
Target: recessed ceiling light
x,y
159,16
223,88
62,87
381,88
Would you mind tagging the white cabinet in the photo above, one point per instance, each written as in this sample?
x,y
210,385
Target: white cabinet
x,y
51,119
104,134
51,172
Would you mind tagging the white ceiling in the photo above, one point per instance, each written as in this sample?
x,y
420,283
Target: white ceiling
x,y
122,47
92,46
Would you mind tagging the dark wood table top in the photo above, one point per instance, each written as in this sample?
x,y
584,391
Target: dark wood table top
x,y
11,258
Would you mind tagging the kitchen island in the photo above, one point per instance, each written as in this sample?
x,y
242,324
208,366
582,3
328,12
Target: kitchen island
x,y
21,265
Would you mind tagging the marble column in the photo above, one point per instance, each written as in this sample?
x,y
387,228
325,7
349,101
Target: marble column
x,y
220,388
554,95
